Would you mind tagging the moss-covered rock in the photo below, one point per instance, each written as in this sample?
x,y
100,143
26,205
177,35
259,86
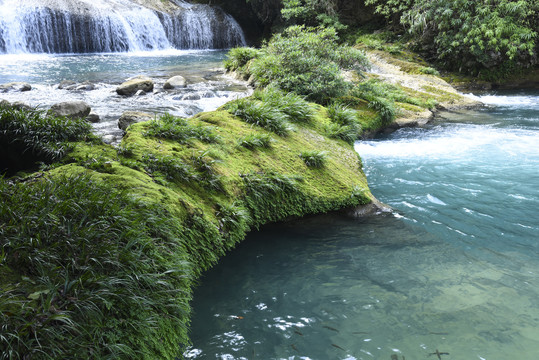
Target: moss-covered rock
x,y
100,250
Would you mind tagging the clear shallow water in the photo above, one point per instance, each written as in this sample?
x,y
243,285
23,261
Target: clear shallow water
x,y
455,266
208,88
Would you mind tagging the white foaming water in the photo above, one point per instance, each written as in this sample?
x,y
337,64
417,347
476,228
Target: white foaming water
x,y
452,142
90,26
527,101
206,90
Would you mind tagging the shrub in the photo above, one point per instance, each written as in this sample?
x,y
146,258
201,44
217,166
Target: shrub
x,y
314,158
471,36
312,13
308,62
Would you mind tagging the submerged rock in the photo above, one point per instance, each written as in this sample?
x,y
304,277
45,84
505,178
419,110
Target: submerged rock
x,y
72,109
132,117
72,85
15,86
175,82
131,86
93,117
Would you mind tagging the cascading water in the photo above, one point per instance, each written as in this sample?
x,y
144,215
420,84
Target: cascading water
x,y
94,26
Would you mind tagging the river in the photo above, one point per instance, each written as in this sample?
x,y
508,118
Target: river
x,y
450,273
208,87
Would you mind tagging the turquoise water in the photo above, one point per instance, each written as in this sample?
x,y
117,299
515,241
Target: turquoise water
x,y
453,268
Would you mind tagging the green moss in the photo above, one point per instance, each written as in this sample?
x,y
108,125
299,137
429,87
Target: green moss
x,y
203,195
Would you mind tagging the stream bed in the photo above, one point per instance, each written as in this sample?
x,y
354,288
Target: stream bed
x,y
207,85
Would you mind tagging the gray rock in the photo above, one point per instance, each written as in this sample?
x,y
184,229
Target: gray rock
x,y
86,86
72,109
175,82
193,96
132,117
92,117
133,85
66,84
72,85
15,86
19,105
4,103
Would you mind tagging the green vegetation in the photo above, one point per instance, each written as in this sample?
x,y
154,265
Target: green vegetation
x,y
30,137
489,38
312,13
305,61
99,252
314,158
174,128
254,141
87,272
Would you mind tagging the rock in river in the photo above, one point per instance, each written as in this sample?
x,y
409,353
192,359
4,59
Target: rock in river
x,y
175,82
135,84
131,117
15,86
72,109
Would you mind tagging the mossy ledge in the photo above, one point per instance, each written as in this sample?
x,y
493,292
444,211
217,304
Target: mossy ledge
x,y
100,250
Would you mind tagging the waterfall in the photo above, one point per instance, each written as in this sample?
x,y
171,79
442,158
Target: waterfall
x,y
94,26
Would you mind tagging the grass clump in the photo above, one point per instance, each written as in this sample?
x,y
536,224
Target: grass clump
x,y
429,71
341,114
233,218
294,106
178,129
255,141
92,272
31,136
238,59
314,158
172,168
268,196
260,114
346,133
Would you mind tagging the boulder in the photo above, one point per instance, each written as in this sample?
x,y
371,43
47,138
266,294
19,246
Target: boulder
x,y
4,103
15,86
72,85
131,86
92,117
66,84
132,117
19,105
175,82
72,109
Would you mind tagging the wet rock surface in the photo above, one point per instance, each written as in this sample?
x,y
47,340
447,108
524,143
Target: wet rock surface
x,y
72,109
133,85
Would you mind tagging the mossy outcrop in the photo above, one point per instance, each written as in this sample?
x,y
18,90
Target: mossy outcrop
x,y
99,251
